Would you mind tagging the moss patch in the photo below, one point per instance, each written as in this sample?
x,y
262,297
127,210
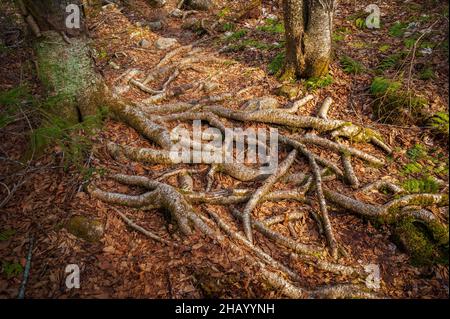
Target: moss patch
x,y
84,228
425,244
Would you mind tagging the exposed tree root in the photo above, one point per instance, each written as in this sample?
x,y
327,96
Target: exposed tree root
x,y
263,190
323,207
179,201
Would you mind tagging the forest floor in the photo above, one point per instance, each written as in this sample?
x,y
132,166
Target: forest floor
x,y
48,190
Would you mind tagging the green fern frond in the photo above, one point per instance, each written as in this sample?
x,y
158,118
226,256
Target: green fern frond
x,y
439,122
351,66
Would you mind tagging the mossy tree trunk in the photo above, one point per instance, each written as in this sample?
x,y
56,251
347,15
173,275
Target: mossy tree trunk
x,y
64,63
309,26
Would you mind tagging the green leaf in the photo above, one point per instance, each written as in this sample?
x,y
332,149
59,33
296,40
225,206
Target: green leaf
x,y
6,234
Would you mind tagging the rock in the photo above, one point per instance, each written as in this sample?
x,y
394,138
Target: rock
x,y
144,43
291,91
192,24
155,25
165,43
156,3
115,66
210,86
90,230
177,13
203,5
261,103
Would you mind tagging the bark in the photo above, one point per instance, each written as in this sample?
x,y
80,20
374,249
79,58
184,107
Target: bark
x,y
65,67
308,30
51,15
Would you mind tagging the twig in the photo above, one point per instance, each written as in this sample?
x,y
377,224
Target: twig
x,y
26,272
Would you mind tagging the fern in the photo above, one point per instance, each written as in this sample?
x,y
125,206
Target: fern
x,y
427,74
391,61
277,63
426,184
272,26
236,35
439,123
398,29
351,66
70,138
6,234
382,85
418,152
314,83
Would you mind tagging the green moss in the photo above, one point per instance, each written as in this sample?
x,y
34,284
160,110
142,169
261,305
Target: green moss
x,y
287,74
426,184
426,244
289,90
84,228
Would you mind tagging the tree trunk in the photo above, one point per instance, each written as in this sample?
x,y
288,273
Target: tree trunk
x,y
64,63
309,26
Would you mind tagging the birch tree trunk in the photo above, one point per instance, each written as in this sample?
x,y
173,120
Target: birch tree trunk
x,y
309,26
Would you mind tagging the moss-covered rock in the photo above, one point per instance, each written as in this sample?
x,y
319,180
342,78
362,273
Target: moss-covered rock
x,y
289,90
84,228
426,244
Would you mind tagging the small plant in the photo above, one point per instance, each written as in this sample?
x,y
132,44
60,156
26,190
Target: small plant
x,y
426,184
71,139
272,26
277,63
394,105
398,29
11,269
7,234
384,47
360,23
382,85
225,12
340,33
439,123
236,35
391,61
417,152
412,168
314,83
351,66
338,37
229,26
10,100
427,74
14,96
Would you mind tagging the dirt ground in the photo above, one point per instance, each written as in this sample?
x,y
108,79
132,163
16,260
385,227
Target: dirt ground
x,y
125,264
